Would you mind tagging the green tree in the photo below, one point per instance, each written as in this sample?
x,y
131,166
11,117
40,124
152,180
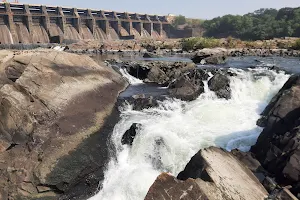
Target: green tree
x,y
259,25
179,20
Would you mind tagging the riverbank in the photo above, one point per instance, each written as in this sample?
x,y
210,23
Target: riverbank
x,y
188,45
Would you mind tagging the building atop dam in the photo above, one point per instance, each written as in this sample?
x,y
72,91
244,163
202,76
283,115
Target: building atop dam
x,y
31,24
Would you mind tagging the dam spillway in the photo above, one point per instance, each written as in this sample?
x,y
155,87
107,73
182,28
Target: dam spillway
x,y
33,24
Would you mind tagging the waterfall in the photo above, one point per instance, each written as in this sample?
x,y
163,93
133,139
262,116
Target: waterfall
x,y
132,80
173,132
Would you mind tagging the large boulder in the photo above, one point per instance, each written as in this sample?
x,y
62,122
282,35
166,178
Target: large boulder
x,y
210,56
211,174
220,84
157,75
278,146
215,60
188,87
56,113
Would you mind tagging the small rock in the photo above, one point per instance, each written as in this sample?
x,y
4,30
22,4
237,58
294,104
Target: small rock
x,y
41,188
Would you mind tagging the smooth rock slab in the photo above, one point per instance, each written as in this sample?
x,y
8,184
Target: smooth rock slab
x,y
57,111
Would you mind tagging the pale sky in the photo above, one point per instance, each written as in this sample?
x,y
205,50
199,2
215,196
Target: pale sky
x,y
204,9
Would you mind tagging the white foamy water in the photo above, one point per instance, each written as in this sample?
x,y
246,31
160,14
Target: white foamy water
x,y
172,133
132,80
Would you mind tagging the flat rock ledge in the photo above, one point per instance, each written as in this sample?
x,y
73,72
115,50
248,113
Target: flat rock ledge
x,y
212,174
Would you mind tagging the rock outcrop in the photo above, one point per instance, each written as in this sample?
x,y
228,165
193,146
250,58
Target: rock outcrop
x,y
278,146
210,56
162,73
141,102
216,60
220,84
211,174
187,87
56,113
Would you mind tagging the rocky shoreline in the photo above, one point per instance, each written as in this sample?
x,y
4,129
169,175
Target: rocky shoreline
x,y
234,52
58,110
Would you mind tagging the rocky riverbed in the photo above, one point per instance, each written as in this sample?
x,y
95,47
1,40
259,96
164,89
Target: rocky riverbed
x,y
71,126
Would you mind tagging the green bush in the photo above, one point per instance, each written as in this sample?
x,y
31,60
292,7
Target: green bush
x,y
195,23
296,45
199,43
188,43
207,43
179,20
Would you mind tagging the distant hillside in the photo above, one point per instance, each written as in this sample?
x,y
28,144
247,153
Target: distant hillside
x,y
259,25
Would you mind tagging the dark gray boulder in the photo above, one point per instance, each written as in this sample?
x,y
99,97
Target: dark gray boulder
x,y
157,75
210,56
278,146
130,134
198,58
216,60
220,84
188,87
158,72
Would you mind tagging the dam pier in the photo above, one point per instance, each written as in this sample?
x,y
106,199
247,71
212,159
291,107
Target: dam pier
x,y
33,24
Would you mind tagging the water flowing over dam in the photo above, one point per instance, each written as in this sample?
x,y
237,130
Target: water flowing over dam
x,y
32,24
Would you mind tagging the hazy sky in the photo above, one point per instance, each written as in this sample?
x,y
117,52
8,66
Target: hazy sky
x,y
191,8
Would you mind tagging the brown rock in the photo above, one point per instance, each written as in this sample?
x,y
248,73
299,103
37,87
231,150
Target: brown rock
x,y
43,189
56,112
168,187
211,174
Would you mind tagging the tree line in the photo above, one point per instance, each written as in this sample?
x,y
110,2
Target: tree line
x,y
191,23
260,25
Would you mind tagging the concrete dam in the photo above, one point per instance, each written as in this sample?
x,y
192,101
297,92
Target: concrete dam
x,y
33,24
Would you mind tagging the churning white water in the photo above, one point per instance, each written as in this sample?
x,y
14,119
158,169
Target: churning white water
x,y
132,80
172,133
